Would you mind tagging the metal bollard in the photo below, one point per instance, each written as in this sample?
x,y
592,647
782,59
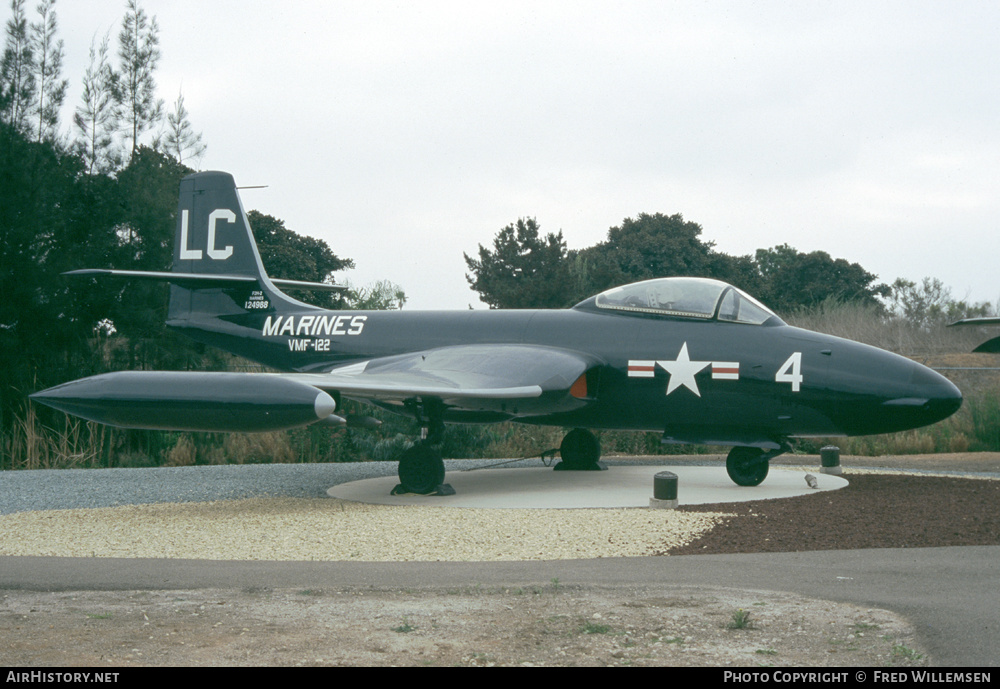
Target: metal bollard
x,y
664,490
830,459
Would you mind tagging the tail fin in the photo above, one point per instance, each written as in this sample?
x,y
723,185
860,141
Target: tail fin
x,y
215,250
218,281
213,235
214,245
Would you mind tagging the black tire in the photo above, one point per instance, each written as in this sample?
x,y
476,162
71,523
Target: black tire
x,y
747,466
421,469
580,449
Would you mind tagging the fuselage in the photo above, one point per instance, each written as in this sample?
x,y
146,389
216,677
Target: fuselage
x,y
692,379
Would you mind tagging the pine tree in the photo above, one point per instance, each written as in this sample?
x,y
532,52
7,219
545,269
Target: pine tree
x,y
48,67
138,51
97,117
180,140
17,80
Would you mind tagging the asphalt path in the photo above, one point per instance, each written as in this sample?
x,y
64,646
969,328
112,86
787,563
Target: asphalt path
x,y
950,594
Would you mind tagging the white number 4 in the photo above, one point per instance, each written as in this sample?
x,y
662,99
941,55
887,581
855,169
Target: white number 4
x,y
791,372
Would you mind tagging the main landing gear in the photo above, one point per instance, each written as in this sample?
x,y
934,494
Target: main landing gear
x,y
580,451
421,468
748,466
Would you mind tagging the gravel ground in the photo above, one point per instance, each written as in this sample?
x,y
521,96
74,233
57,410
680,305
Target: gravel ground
x,y
281,512
270,507
64,489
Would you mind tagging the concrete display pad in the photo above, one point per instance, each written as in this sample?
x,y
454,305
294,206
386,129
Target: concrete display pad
x,y
619,486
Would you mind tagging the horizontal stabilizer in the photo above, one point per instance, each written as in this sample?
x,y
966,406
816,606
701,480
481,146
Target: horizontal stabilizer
x,y
202,279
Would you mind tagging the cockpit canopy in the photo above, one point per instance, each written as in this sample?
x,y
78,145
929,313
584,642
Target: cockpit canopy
x,y
687,298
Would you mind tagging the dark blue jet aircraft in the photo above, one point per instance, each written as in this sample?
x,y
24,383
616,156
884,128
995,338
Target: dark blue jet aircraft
x,y
694,359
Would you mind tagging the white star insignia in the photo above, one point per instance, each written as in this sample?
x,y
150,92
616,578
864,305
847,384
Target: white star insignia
x,y
682,371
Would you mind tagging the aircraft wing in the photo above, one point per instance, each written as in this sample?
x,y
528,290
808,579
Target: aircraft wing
x,y
459,373
497,380
981,320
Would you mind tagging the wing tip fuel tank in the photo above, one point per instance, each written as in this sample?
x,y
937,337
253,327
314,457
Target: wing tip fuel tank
x,y
180,401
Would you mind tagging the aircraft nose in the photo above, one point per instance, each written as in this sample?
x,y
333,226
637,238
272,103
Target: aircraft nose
x,y
943,397
930,398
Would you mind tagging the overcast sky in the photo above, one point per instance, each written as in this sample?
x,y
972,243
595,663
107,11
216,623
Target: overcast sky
x,y
407,133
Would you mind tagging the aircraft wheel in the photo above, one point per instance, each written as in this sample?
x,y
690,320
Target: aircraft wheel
x,y
580,449
747,466
421,469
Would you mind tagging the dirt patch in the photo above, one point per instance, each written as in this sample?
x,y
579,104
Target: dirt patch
x,y
550,625
874,511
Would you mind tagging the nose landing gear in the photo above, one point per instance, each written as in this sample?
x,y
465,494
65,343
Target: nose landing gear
x,y
748,466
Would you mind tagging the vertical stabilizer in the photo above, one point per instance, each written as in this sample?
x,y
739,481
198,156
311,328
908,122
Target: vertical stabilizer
x,y
213,238
213,235
219,292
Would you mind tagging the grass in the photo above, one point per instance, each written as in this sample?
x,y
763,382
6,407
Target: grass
x,y
595,628
740,620
404,628
905,652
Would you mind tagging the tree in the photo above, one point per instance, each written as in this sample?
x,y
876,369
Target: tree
x,y
658,246
143,239
740,271
181,140
97,117
792,279
292,256
139,53
17,79
649,246
51,89
523,271
930,303
39,337
381,295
